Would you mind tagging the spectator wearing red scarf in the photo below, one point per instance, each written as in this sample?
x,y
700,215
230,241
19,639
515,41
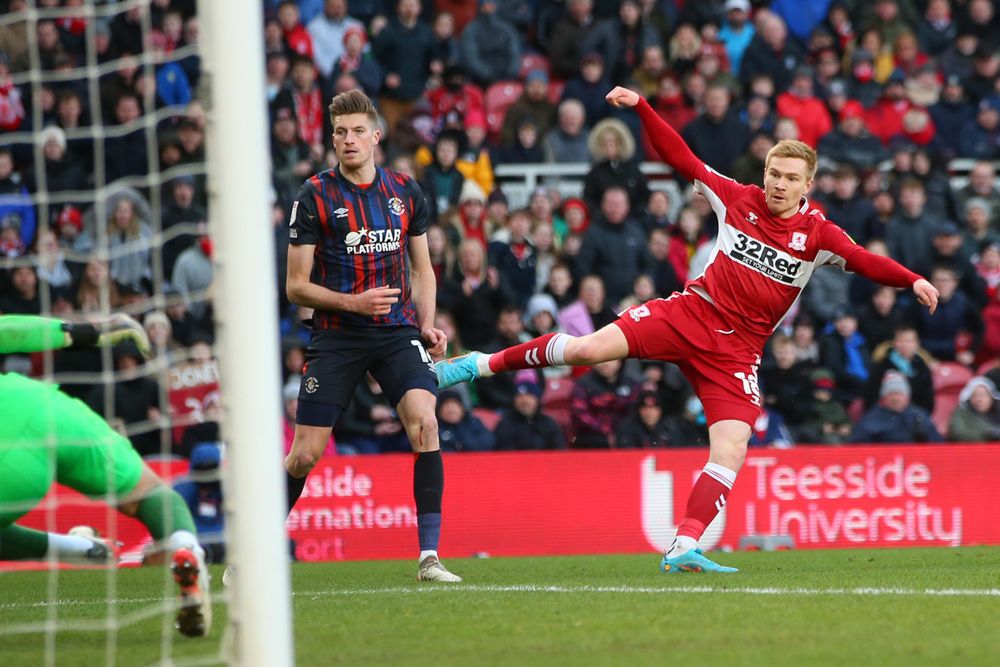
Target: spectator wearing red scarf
x,y
307,101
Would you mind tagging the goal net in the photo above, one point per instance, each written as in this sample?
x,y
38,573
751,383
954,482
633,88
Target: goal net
x,y
134,179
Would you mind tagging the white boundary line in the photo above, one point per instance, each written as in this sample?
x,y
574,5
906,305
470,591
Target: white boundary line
x,y
433,589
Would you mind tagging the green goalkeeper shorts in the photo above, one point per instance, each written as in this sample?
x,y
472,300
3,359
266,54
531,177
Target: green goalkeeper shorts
x,y
47,436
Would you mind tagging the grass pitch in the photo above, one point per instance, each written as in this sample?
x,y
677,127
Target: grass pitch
x,y
867,607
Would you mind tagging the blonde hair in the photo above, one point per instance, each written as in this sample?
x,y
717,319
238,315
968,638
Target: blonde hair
x,y
621,133
797,149
352,101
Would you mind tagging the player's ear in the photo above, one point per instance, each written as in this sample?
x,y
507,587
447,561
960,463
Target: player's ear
x,y
376,136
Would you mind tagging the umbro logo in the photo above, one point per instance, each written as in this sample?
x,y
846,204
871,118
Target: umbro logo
x,y
341,213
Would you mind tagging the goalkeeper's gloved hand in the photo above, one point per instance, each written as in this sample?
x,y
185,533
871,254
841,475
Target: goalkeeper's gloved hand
x,y
108,334
121,328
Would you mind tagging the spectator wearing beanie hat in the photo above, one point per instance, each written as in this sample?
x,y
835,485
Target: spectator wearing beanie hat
x,y
829,423
62,172
525,426
354,60
977,416
474,160
69,222
851,142
533,104
895,419
646,426
458,429
469,219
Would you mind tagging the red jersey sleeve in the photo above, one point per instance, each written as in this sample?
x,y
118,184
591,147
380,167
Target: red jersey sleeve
x,y
837,247
676,153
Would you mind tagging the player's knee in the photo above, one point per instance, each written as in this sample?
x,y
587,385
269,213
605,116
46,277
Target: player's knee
x,y
299,463
730,453
423,432
584,351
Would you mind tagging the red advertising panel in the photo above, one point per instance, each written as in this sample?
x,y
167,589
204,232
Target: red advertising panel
x,y
550,503
630,502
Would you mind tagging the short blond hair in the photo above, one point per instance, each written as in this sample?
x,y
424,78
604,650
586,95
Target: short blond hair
x,y
351,102
797,149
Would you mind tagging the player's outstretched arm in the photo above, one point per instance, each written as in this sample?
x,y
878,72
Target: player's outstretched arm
x,y
671,147
882,270
29,333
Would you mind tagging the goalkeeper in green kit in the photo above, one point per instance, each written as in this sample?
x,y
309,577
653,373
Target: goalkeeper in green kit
x,y
46,437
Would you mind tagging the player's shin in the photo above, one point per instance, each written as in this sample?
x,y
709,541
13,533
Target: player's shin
x,y
708,497
165,513
19,543
547,350
428,487
293,489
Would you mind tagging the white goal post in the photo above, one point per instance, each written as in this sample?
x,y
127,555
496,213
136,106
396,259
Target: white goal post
x,y
247,331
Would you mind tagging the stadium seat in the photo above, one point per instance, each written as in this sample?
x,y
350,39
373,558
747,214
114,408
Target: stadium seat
x,y
856,410
987,366
556,402
499,97
556,89
490,418
945,403
533,61
950,374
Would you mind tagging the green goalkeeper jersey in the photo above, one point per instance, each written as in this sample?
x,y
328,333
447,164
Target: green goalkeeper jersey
x,y
46,435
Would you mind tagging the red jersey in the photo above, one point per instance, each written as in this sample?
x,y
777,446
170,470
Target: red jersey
x,y
761,262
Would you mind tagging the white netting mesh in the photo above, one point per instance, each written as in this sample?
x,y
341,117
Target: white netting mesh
x,y
102,201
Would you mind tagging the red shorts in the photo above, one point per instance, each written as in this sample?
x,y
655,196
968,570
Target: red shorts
x,y
688,331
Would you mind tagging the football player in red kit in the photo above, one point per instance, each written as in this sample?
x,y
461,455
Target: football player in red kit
x,y
770,242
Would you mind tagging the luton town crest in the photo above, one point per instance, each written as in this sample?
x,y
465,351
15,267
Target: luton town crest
x,y
396,206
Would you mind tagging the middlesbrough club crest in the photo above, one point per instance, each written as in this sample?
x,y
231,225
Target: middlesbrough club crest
x,y
752,218
798,241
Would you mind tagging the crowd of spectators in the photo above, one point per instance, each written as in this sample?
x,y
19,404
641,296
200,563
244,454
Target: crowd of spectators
x,y
889,91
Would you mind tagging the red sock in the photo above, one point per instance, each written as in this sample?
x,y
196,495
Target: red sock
x,y
543,351
708,497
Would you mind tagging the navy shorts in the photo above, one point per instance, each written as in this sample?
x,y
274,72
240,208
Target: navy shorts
x,y
336,361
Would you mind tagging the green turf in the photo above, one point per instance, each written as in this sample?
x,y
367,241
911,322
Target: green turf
x,y
601,610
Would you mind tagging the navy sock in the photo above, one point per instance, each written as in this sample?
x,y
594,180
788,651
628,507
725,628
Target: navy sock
x,y
428,486
293,489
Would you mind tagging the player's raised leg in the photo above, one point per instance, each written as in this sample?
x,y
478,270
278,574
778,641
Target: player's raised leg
x,y
416,411
554,349
728,440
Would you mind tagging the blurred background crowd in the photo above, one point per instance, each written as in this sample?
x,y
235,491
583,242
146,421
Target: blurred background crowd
x,y
547,214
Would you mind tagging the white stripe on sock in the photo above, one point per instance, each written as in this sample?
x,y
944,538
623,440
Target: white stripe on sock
x,y
722,474
556,350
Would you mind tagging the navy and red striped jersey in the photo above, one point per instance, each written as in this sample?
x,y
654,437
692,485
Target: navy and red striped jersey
x,y
361,237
